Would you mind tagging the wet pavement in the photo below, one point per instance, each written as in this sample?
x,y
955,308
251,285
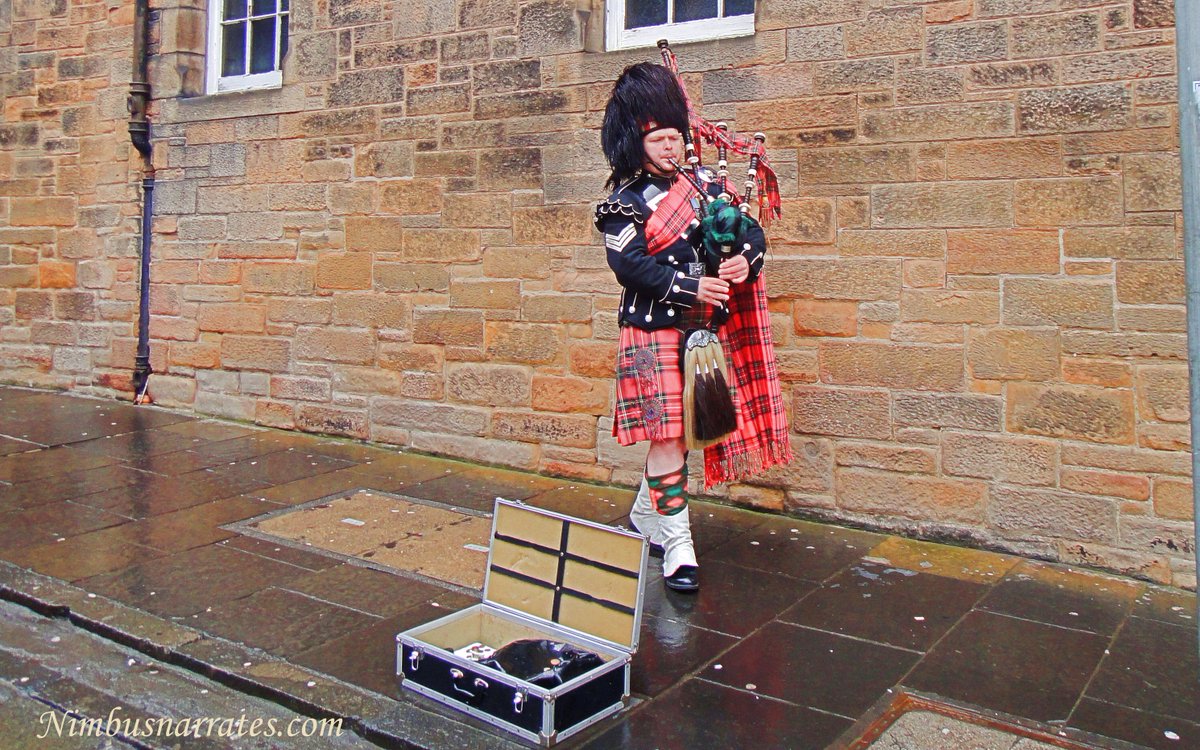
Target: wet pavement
x,y
131,523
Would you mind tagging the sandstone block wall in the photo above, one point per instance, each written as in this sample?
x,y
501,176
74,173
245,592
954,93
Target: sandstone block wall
x,y
977,284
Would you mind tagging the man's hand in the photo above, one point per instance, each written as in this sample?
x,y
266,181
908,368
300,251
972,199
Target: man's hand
x,y
713,291
734,269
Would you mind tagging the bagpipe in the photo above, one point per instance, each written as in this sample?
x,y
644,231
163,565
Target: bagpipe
x,y
709,414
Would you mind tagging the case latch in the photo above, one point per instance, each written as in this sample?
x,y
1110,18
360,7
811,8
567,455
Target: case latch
x,y
414,659
519,699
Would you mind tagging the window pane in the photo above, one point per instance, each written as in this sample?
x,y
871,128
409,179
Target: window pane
x,y
233,50
739,7
640,13
283,38
235,9
262,7
262,46
284,6
694,10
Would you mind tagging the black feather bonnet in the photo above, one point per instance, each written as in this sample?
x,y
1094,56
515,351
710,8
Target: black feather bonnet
x,y
645,93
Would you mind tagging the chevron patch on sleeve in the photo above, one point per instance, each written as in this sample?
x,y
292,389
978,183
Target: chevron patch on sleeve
x,y
620,240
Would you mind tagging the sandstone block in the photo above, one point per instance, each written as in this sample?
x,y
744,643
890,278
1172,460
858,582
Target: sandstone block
x,y
412,357
486,294
510,169
811,470
54,274
411,277
958,43
1118,66
945,204
356,88
1055,35
887,457
552,225
945,306
899,366
1173,499
841,412
910,496
328,420
593,359
1127,459
1126,486
1012,75
949,121
1006,158
1063,302
528,104
1069,201
929,85
408,197
857,164
1160,536
447,418
961,411
1163,393
1152,182
477,210
295,388
825,318
1106,106
1150,282
374,233
812,43
43,211
1103,343
556,308
904,243
1013,354
558,429
529,343
442,245
850,279
449,327
278,278
1000,458
344,271
571,394
255,353
885,31
1125,243
848,76
335,345
805,221
792,114
1153,13
372,310
488,384
1033,514
1075,412
1002,251
232,318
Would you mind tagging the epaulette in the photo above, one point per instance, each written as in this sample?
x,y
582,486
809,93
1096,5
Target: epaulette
x,y
615,204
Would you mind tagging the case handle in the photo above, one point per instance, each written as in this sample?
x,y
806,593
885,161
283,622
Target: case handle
x,y
479,684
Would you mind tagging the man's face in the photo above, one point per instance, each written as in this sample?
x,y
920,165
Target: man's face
x,y
661,147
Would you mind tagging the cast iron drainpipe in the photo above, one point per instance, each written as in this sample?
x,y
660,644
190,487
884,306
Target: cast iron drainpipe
x,y
139,134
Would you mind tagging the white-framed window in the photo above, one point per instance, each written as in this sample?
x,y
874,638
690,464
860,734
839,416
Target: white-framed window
x,y
247,40
641,23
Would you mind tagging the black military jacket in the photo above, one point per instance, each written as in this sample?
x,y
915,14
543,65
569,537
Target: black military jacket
x,y
656,289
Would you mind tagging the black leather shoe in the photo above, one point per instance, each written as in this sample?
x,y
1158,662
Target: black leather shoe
x,y
656,550
685,578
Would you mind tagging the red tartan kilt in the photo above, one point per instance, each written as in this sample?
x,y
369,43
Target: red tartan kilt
x,y
649,386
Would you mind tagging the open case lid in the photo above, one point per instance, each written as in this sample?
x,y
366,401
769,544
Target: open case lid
x,y
579,574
